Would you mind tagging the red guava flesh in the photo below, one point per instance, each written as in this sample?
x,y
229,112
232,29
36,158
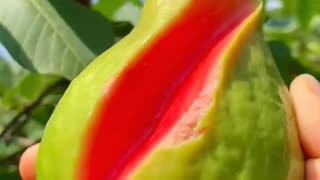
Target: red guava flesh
x,y
161,97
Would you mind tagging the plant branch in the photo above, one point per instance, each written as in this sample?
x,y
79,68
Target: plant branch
x,y
25,115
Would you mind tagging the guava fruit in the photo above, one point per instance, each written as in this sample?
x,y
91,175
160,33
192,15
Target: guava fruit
x,y
191,93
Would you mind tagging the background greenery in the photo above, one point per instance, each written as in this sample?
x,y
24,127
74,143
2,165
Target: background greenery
x,y
46,43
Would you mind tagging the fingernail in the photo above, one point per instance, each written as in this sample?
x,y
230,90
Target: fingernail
x,y
314,84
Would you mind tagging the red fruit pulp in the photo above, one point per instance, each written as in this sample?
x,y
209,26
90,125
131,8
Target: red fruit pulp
x,y
170,86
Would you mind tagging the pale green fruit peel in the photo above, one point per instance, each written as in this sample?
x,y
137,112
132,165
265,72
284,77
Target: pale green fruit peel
x,y
251,127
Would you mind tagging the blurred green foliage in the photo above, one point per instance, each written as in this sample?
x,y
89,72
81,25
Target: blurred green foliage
x,y
30,86
292,31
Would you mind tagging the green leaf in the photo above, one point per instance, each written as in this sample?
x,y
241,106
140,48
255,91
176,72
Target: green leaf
x,y
10,74
120,10
34,84
290,7
6,77
53,37
306,9
28,89
90,26
302,10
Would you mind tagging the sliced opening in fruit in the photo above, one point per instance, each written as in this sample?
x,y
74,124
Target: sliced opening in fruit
x,y
162,96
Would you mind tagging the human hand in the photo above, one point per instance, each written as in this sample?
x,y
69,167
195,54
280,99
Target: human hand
x,y
306,99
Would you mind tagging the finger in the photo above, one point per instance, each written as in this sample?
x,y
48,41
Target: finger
x,y
306,99
27,165
313,169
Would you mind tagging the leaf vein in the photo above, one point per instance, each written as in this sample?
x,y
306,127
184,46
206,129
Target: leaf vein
x,y
29,31
37,51
36,5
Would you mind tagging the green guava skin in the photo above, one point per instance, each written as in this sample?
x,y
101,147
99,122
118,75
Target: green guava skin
x,y
251,130
252,133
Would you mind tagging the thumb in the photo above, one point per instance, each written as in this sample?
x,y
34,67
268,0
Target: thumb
x,y
27,166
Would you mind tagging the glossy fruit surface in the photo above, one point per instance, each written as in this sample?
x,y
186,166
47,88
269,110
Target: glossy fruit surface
x,y
191,93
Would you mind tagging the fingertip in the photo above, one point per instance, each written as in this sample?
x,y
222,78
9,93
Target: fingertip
x,y
313,169
27,166
301,82
305,91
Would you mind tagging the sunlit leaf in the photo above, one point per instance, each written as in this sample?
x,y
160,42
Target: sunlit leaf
x,y
53,37
120,10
